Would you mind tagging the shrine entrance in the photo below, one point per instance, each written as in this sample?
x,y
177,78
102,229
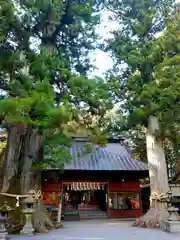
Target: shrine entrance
x,y
86,198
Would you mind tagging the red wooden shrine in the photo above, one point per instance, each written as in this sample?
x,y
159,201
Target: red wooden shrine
x,y
129,188
104,180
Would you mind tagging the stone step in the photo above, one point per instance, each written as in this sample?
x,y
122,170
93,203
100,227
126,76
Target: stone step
x,y
92,212
93,216
96,214
85,214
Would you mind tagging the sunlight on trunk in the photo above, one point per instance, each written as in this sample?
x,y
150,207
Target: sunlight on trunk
x,y
158,179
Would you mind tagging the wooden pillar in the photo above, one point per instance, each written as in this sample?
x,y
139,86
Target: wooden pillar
x,y
60,203
107,198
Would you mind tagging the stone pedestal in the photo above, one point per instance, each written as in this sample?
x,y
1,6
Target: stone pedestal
x,y
172,224
173,213
3,232
28,227
29,208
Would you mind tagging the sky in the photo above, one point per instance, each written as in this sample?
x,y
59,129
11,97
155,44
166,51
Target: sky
x,y
99,58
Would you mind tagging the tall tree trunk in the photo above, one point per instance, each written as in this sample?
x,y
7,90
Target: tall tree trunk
x,y
2,161
13,165
158,178
13,161
33,144
24,147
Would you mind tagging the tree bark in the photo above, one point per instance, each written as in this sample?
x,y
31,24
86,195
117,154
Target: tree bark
x,y
12,168
12,163
32,153
24,147
158,179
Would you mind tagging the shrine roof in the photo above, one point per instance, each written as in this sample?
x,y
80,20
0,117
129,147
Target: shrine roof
x,y
113,157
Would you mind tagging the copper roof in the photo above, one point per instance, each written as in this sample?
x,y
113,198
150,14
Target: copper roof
x,y
112,157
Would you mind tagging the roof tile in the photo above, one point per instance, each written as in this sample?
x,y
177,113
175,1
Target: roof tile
x,y
112,157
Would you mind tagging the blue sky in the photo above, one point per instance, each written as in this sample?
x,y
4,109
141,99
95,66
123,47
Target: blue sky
x,y
99,58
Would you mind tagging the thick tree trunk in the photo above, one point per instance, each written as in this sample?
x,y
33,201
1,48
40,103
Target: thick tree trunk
x,y
158,179
11,180
2,161
24,147
13,163
32,153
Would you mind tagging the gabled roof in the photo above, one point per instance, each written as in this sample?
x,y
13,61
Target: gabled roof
x,y
112,157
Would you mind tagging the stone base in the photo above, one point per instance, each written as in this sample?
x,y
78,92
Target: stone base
x,y
171,226
28,229
3,235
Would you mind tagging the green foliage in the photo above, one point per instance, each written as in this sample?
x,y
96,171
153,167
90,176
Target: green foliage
x,y
149,77
5,208
56,150
88,148
44,62
34,109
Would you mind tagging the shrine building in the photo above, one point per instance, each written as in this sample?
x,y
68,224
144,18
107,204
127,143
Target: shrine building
x,y
103,183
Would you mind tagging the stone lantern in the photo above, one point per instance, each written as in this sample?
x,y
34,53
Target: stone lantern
x,y
3,232
172,224
29,205
173,215
4,210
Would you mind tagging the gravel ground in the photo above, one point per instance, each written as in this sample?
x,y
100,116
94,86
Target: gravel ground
x,y
102,230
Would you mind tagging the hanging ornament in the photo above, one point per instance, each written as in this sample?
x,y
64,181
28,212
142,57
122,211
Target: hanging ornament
x,y
68,187
80,185
17,201
98,187
84,198
73,186
77,186
94,186
91,185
